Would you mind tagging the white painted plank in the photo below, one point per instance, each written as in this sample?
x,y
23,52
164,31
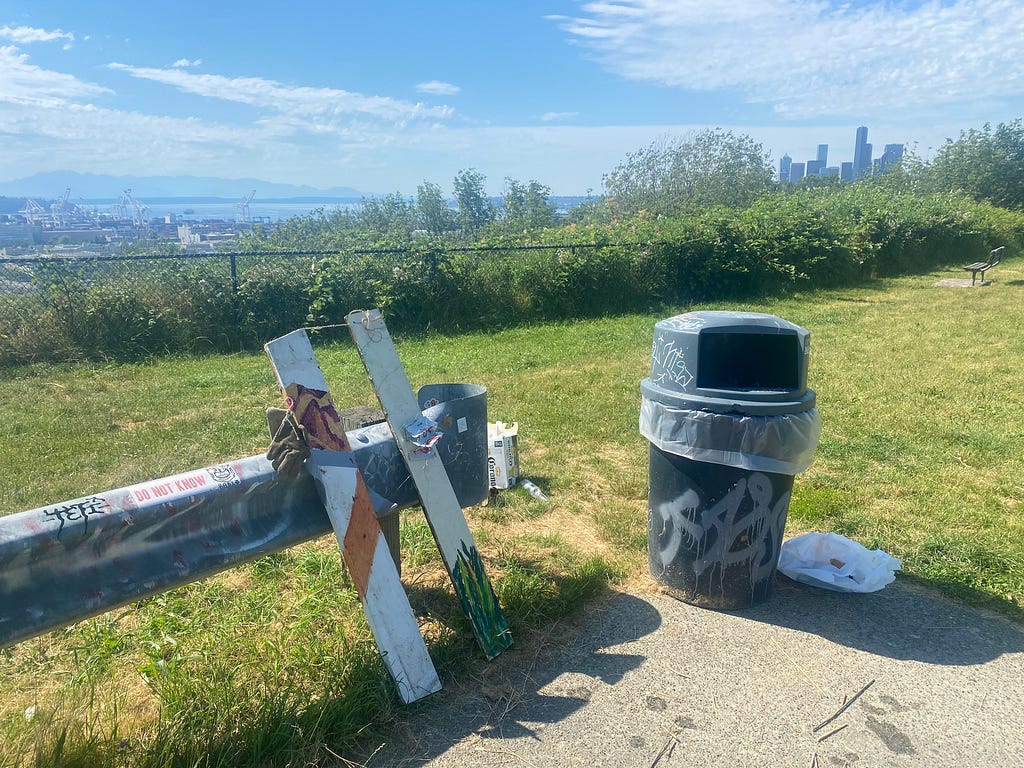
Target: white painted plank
x,y
440,504
347,500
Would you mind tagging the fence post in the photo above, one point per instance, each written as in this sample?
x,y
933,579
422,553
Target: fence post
x,y
234,275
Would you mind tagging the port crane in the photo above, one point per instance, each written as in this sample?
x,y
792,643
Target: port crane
x,y
120,209
127,207
59,209
243,207
140,213
33,211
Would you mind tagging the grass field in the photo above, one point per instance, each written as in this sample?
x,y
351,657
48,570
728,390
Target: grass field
x,y
920,392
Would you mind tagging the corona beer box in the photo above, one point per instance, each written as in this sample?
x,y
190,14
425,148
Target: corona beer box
x,y
502,454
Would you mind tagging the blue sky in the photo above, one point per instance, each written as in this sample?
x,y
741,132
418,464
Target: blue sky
x,y
382,96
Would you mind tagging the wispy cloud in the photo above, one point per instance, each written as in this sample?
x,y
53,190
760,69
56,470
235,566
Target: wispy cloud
x,y
437,88
23,35
187,63
300,133
814,57
553,117
98,140
25,83
298,100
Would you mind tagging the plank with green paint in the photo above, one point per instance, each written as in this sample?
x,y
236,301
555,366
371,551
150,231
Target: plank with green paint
x,y
415,439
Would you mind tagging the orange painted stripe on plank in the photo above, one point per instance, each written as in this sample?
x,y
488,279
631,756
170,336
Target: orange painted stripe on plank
x,y
361,538
314,409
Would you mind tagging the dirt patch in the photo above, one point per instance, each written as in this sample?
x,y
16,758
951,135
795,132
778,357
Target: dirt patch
x,y
956,282
578,530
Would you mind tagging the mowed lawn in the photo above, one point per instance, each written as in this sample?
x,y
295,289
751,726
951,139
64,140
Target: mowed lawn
x,y
921,393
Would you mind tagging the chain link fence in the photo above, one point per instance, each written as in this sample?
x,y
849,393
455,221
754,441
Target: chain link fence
x,y
123,307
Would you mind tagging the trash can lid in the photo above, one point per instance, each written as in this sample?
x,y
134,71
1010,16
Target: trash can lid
x,y
730,361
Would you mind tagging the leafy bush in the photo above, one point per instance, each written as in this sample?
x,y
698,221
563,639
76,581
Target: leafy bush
x,y
814,236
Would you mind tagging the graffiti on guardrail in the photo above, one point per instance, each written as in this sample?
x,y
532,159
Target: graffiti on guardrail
x,y
73,511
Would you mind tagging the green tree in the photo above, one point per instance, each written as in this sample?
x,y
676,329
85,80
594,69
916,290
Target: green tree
x,y
526,206
432,211
987,164
391,214
711,167
317,230
475,209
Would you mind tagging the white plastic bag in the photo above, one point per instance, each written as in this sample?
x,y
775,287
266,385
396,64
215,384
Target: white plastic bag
x,y
835,562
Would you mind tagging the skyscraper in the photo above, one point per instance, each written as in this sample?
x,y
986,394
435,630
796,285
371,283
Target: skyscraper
x,y
861,153
784,167
892,155
823,155
796,172
814,167
846,171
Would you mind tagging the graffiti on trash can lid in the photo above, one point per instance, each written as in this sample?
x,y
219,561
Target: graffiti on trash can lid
x,y
668,362
685,322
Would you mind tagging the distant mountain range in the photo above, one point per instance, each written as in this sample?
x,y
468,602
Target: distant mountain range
x,y
97,187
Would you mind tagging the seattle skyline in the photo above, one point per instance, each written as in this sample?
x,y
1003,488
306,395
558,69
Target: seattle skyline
x,y
383,98
864,161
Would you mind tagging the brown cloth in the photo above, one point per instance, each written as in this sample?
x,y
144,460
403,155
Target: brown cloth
x,y
288,447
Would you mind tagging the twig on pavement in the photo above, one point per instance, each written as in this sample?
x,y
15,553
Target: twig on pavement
x,y
833,732
667,749
843,708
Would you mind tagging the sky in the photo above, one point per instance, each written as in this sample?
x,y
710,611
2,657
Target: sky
x,y
382,96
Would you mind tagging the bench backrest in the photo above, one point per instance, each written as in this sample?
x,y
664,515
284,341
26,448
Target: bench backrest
x,y
995,255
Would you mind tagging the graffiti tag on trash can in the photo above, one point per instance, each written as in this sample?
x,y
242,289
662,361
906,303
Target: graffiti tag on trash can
x,y
719,534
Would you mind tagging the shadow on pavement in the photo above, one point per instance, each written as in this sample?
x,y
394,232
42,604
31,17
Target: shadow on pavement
x,y
902,621
516,689
525,691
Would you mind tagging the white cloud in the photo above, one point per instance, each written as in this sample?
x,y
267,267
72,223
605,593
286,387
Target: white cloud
x,y
25,83
330,104
552,117
301,134
92,139
814,57
438,88
327,136
34,35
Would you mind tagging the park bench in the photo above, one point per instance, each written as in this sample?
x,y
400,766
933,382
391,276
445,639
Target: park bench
x,y
981,266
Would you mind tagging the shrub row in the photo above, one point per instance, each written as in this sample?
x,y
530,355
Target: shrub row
x,y
64,309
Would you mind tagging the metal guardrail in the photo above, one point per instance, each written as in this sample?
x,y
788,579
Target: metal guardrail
x,y
69,561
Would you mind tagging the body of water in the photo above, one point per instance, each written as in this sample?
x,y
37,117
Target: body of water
x,y
230,212
226,210
275,210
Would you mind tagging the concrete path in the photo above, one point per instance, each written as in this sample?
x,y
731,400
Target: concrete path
x,y
650,681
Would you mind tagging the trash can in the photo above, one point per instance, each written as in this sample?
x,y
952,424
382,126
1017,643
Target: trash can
x,y
730,422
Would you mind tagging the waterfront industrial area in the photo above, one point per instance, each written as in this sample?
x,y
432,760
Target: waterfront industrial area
x,y
29,227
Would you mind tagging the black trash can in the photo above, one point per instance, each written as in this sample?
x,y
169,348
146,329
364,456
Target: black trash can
x,y
730,422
